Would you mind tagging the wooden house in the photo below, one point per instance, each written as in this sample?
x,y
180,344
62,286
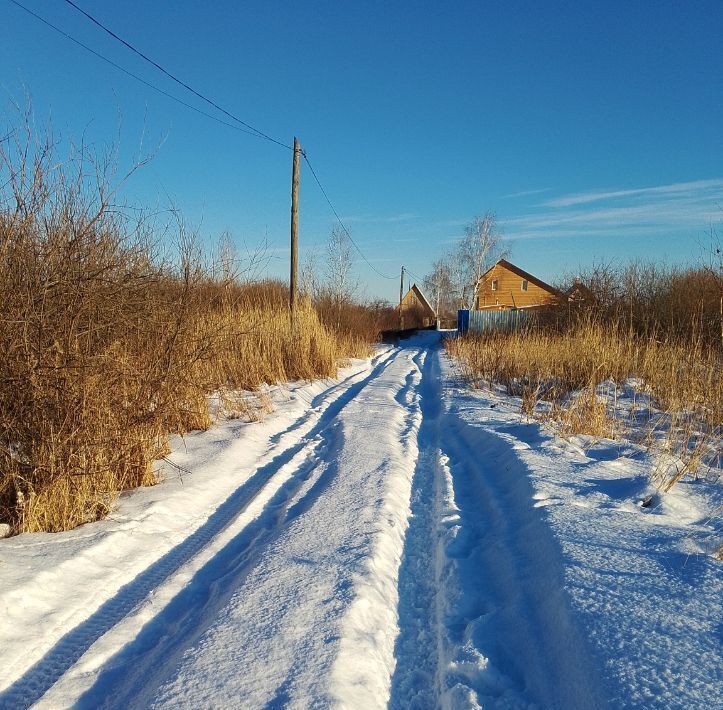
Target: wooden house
x,y
507,286
415,310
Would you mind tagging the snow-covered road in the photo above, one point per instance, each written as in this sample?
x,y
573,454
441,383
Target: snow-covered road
x,y
384,540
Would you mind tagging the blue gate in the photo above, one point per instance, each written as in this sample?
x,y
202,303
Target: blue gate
x,y
462,320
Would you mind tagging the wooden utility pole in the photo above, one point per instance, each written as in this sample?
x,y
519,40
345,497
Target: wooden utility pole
x,y
401,295
293,287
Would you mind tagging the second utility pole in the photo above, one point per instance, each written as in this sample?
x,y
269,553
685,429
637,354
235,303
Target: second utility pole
x,y
294,231
401,292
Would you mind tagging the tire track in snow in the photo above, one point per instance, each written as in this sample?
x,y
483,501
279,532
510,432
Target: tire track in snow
x,y
415,680
483,618
283,624
37,680
508,636
363,666
132,678
322,400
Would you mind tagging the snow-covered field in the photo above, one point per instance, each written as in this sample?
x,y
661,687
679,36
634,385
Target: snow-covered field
x,y
386,539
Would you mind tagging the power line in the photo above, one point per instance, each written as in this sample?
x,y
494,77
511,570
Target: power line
x,y
243,127
336,214
230,115
416,276
130,73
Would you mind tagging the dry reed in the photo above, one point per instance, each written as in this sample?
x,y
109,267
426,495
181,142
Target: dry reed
x,y
565,369
106,346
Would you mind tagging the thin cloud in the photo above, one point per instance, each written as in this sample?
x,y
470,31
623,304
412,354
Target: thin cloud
x,y
390,219
525,193
681,188
680,212
451,222
588,231
662,210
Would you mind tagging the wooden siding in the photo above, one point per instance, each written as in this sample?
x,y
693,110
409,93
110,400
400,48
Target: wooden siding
x,y
509,292
416,312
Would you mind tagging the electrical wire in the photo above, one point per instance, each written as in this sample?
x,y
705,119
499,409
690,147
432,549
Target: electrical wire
x,y
201,96
130,73
336,214
416,276
243,127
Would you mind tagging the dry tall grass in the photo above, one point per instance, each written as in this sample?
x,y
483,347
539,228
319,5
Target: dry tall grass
x,y
106,346
355,324
564,368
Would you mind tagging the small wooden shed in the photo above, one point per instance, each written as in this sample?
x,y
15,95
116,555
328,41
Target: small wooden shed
x,y
508,286
415,310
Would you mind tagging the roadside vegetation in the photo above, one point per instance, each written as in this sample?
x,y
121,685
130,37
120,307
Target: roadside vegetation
x,y
110,341
639,357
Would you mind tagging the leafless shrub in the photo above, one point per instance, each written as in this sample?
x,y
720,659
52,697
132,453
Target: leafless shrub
x,y
107,345
654,301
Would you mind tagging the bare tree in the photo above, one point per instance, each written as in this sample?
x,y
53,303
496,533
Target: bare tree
x,y
713,265
479,248
440,286
457,280
340,284
310,285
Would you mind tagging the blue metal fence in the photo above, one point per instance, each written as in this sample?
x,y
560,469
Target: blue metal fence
x,y
485,321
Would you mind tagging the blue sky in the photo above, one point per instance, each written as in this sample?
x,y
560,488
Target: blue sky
x,y
593,129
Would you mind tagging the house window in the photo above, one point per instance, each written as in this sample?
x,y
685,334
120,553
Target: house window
x,y
494,285
524,285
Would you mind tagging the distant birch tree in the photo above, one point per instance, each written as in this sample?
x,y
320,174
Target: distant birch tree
x,y
479,249
439,286
309,280
340,283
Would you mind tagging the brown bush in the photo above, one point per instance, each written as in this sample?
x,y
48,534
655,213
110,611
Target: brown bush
x,y
355,323
655,301
106,346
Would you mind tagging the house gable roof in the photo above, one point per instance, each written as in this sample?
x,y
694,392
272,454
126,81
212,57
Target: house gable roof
x,y
523,275
420,296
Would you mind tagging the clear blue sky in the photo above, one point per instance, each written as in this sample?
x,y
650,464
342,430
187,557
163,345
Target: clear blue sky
x,y
593,129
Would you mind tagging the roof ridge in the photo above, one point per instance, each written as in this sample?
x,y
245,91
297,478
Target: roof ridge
x,y
420,293
522,274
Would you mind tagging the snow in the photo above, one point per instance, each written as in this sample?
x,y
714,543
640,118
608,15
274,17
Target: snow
x,y
386,539
638,583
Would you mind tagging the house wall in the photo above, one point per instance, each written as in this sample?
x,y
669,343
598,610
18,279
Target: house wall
x,y
509,291
415,312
